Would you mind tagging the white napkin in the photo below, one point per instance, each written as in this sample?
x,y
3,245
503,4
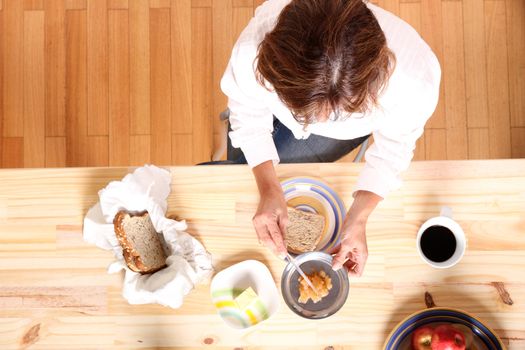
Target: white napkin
x,y
188,262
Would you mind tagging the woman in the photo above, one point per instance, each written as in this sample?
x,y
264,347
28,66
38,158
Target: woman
x,y
322,75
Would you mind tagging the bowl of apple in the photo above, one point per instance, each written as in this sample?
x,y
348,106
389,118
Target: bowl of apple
x,y
442,329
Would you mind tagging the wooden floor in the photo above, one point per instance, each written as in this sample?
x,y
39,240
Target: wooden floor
x,y
118,82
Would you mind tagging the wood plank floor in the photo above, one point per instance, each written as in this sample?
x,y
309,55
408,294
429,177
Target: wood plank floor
x,y
126,82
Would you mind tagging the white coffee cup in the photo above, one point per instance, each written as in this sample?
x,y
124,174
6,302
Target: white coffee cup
x,y
444,220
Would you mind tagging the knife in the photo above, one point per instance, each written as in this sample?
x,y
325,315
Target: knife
x,y
294,263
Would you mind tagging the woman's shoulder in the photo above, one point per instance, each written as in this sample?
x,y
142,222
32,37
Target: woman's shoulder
x,y
264,20
415,60
244,52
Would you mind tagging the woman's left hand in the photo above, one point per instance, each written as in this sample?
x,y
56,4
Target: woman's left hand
x,y
353,251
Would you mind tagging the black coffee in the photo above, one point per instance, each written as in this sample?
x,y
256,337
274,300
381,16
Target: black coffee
x,y
438,243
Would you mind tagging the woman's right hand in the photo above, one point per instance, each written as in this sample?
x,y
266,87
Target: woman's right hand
x,y
271,218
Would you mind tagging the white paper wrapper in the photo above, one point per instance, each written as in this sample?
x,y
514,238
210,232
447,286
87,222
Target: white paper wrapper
x,y
188,262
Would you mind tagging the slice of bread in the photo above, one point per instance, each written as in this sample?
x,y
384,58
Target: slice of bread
x,y
141,245
304,231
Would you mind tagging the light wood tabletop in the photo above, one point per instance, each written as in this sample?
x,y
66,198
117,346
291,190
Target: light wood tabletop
x,y
55,292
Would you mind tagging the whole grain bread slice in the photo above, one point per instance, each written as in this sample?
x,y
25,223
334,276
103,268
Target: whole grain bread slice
x,y
304,230
141,245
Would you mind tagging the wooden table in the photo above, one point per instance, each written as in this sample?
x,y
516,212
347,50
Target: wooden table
x,y
55,292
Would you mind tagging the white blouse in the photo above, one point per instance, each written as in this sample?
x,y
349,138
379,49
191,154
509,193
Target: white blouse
x,y
405,105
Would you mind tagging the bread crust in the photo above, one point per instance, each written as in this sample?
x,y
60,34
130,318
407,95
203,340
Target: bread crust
x,y
131,256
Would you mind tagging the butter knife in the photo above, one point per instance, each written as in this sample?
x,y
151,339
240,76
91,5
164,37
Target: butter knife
x,y
292,261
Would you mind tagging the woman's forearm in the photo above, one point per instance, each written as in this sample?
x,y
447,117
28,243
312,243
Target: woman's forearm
x,y
364,203
266,177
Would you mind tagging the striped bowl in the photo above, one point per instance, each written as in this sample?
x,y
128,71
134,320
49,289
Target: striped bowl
x,y
232,281
313,195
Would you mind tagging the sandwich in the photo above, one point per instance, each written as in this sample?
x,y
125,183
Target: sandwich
x,y
304,231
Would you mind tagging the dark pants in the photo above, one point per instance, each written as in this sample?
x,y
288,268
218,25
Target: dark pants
x,y
314,149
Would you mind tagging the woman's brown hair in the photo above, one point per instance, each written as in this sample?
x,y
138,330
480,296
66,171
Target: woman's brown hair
x,y
325,55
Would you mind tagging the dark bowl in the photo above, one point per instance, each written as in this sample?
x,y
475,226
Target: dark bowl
x,y
484,337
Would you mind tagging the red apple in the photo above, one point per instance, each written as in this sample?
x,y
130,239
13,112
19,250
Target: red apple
x,y
446,337
422,338
467,332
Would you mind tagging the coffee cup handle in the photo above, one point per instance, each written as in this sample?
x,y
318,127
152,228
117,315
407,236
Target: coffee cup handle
x,y
446,211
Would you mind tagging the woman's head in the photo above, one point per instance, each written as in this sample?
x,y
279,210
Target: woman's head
x,y
324,56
